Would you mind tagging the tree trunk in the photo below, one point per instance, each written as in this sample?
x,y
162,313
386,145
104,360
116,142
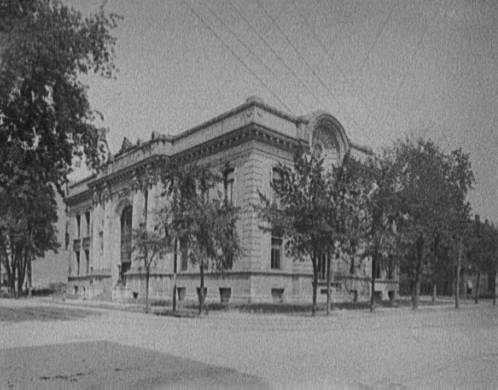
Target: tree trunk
x,y
418,272
147,276
11,274
457,282
416,293
21,272
478,282
434,292
30,277
4,260
201,290
315,286
494,288
175,260
329,280
372,281
9,266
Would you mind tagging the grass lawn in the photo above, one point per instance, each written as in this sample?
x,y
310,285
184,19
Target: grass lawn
x,y
189,309
41,313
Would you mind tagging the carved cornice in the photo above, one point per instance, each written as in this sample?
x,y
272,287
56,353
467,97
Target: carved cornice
x,y
95,197
146,173
251,132
133,172
78,198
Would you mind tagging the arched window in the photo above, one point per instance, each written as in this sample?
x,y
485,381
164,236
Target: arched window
x,y
326,145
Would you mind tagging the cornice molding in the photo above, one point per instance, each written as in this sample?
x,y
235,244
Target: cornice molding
x,y
144,172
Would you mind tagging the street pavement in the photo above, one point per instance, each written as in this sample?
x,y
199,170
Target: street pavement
x,y
433,347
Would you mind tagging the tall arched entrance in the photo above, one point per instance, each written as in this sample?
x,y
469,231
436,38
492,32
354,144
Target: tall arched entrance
x,y
126,232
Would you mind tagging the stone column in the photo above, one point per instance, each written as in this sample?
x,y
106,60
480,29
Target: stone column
x,y
250,177
97,226
70,249
138,200
111,223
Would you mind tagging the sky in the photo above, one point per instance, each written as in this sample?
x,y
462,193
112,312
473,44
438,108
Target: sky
x,y
384,69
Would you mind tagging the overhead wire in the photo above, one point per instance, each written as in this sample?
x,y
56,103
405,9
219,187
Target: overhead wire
x,y
412,60
317,76
278,56
377,37
333,60
409,65
225,45
250,50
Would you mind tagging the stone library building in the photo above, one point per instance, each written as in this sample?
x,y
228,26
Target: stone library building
x,y
246,143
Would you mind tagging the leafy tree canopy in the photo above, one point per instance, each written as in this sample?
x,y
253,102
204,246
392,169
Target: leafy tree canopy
x,y
316,209
433,201
45,115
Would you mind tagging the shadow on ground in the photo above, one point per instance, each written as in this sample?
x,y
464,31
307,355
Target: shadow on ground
x,y
102,364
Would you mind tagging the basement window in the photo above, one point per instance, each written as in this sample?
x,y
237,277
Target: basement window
x,y
182,292
277,295
225,294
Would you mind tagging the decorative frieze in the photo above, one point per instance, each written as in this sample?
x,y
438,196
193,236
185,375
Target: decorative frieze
x,y
106,193
95,197
135,182
124,193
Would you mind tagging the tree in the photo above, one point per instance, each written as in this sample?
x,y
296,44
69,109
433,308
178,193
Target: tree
x,y
312,209
45,116
476,252
148,247
483,252
434,186
202,221
27,230
381,211
491,254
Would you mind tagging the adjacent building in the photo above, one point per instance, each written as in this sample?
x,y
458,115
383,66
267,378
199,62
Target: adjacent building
x,y
246,144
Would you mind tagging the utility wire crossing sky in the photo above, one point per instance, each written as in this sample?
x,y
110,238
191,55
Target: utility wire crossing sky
x,y
384,69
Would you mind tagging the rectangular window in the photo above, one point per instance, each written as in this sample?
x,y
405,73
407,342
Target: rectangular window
x,y
390,268
225,294
101,242
277,295
78,225
322,266
87,261
77,263
183,256
66,237
276,180
276,249
377,269
352,265
228,179
87,220
182,292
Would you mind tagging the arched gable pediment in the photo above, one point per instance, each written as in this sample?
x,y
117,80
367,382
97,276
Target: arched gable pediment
x,y
327,137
